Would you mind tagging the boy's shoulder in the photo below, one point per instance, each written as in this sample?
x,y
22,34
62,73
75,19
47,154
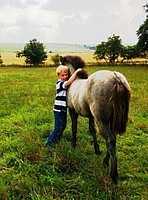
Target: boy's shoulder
x,y
60,83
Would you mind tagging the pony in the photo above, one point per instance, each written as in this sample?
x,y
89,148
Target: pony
x,y
104,98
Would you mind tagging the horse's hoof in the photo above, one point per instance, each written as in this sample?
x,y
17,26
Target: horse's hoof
x,y
115,181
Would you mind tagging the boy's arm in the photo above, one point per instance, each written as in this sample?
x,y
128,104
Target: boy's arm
x,y
72,78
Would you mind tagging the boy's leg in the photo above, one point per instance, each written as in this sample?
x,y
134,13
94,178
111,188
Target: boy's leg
x,y
63,119
53,137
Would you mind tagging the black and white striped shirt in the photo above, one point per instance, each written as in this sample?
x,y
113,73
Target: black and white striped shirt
x,y
60,100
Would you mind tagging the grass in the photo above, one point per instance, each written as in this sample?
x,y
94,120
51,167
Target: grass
x,y
28,171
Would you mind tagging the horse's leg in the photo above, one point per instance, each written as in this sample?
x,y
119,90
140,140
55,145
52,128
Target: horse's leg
x,y
110,139
93,132
74,118
106,159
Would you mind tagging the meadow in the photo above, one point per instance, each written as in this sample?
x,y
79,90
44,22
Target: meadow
x,y
9,58
29,171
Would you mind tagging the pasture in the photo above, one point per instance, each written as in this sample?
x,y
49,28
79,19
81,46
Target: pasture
x,y
9,58
29,171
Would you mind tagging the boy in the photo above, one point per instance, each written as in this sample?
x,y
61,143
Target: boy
x,y
60,105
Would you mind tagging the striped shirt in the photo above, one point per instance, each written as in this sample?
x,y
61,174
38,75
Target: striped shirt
x,y
60,103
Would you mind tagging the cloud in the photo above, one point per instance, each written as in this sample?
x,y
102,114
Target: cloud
x,y
81,17
84,16
14,21
125,19
69,21
126,12
8,15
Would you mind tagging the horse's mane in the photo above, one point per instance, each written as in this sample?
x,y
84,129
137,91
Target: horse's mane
x,y
76,62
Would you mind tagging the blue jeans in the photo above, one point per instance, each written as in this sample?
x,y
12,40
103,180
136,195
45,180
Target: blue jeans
x,y
60,120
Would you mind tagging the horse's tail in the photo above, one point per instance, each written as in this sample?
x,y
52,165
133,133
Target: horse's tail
x,y
121,94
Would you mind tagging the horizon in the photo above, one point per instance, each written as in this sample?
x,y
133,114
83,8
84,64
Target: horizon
x,y
82,44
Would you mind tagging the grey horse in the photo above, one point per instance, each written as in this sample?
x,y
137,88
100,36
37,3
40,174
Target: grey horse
x,y
104,98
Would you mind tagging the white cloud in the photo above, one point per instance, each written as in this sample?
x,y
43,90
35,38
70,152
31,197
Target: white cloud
x,y
35,2
125,13
67,17
14,21
84,16
81,17
8,15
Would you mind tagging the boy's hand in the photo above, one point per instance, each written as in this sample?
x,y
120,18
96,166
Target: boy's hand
x,y
72,78
79,70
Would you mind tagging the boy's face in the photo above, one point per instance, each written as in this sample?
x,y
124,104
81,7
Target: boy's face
x,y
63,75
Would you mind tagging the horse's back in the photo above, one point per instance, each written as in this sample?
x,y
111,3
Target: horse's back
x,y
105,75
99,92
100,83
100,75
106,78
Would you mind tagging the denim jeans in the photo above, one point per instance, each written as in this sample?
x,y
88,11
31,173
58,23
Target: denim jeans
x,y
60,120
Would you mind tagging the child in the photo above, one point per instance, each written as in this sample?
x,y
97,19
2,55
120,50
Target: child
x,y
60,105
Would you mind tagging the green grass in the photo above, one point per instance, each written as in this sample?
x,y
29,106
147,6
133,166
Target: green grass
x,y
28,171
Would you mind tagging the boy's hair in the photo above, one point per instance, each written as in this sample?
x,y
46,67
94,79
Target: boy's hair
x,y
61,68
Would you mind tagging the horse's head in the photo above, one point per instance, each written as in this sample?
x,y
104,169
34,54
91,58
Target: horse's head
x,y
74,62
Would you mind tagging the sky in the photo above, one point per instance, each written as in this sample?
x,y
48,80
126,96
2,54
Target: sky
x,y
70,21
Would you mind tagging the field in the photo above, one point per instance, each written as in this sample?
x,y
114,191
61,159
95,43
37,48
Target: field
x,y
9,58
8,52
29,171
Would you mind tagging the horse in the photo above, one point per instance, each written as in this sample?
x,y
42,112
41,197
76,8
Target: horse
x,y
104,98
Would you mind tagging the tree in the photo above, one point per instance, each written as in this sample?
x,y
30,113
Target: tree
x,y
34,52
110,50
56,59
129,52
142,34
100,52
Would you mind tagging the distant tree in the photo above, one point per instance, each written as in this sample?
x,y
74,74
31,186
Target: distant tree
x,y
34,52
129,52
90,47
142,34
56,59
110,50
1,60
